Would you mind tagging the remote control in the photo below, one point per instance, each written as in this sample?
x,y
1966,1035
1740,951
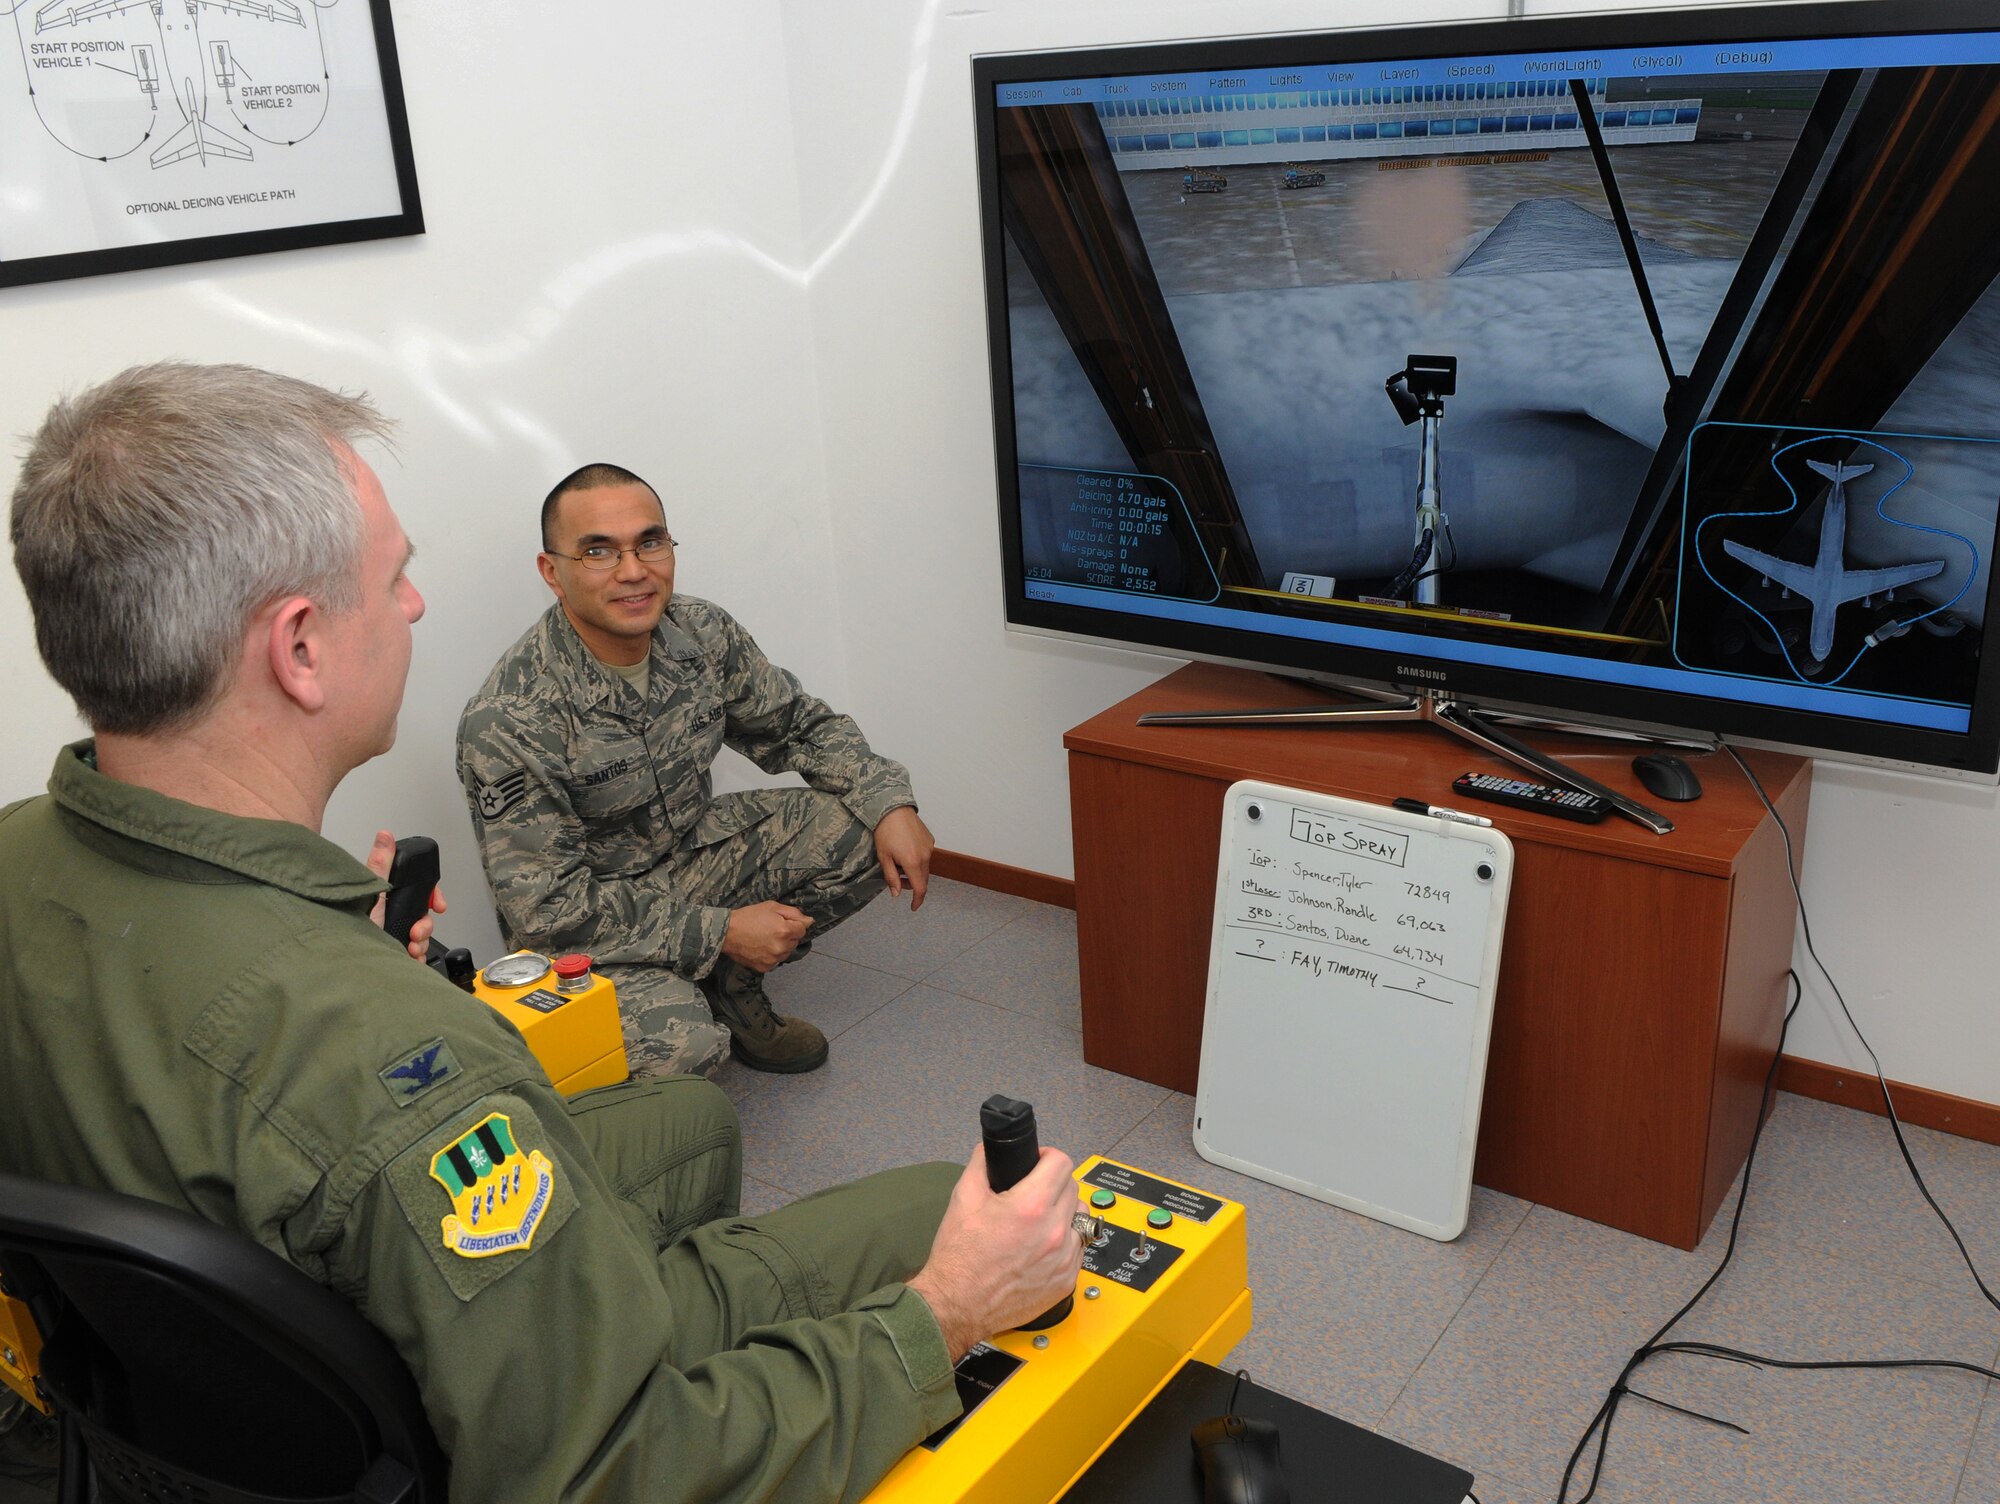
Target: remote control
x,y
1568,804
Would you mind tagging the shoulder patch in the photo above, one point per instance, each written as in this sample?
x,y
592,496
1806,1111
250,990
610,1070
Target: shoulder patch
x,y
482,1193
498,1194
502,794
417,1072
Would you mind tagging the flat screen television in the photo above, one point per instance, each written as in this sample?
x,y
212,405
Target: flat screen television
x,y
1637,368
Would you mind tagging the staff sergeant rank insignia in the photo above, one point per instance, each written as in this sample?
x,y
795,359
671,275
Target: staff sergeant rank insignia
x,y
498,1195
502,794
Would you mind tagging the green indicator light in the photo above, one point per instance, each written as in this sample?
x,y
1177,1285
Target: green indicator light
x,y
1103,1199
1159,1217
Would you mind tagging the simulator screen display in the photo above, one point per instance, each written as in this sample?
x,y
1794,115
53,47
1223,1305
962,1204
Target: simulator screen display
x,y
1670,368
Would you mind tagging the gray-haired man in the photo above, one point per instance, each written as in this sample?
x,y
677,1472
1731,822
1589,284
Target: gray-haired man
x,y
195,1008
586,758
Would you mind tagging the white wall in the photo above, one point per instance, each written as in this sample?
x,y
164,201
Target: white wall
x,y
883,110
610,272
1902,890
775,313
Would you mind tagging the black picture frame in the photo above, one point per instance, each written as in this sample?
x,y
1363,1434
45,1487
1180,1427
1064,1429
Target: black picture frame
x,y
211,143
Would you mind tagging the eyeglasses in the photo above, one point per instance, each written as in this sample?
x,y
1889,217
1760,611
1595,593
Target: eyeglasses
x,y
602,556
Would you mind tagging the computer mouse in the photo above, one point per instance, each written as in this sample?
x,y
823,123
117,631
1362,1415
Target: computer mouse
x,y
1667,776
1239,1461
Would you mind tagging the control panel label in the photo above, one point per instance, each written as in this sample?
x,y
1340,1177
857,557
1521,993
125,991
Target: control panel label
x,y
1179,1200
1122,1258
978,1374
541,1000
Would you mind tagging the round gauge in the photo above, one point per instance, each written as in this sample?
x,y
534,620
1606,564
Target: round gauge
x,y
518,970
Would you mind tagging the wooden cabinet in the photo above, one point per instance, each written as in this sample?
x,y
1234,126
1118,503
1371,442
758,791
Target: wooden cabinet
x,y
1642,978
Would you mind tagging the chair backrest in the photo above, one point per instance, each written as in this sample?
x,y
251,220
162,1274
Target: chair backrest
x,y
190,1363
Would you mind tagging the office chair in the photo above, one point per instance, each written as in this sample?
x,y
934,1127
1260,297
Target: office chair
x,y
184,1362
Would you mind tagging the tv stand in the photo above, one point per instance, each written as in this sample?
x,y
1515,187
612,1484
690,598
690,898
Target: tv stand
x,y
1642,977
1429,706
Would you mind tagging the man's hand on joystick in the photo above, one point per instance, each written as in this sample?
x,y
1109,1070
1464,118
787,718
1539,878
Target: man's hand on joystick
x,y
1002,1258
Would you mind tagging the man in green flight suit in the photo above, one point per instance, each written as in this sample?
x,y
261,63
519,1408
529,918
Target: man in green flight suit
x,y
586,758
195,1008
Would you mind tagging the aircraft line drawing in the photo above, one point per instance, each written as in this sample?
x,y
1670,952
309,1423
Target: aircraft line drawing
x,y
198,137
1827,582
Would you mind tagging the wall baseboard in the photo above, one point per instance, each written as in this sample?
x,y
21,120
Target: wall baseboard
x,y
1918,1105
1000,878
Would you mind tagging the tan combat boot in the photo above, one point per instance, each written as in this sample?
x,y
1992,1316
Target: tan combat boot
x,y
760,1038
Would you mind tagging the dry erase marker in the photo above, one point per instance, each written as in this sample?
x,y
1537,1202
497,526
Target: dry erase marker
x,y
1436,812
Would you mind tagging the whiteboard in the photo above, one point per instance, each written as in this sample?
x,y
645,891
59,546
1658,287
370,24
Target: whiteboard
x,y
1350,1002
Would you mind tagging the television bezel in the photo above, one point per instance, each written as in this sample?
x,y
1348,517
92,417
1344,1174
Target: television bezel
x,y
1971,755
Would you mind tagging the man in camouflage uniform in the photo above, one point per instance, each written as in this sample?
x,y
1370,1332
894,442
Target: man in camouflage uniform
x,y
586,758
197,1010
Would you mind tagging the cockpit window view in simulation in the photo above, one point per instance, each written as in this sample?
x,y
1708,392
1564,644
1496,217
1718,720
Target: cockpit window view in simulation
x,y
1679,370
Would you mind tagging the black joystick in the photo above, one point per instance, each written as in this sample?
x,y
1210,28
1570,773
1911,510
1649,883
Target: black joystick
x,y
1012,1150
412,876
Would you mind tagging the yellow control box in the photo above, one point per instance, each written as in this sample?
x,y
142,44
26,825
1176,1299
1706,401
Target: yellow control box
x,y
1166,1279
575,1035
20,1351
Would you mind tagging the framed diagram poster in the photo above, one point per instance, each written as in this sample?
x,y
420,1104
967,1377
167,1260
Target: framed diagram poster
x,y
140,133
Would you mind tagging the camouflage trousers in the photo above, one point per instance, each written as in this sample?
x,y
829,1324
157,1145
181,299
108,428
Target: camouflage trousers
x,y
808,850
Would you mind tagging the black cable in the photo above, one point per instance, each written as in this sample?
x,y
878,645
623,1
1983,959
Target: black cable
x,y
1600,1424
1759,1360
1881,1081
1445,568
1236,1389
1401,585
1713,1420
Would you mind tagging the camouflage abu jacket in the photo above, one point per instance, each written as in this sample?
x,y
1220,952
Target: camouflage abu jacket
x,y
580,787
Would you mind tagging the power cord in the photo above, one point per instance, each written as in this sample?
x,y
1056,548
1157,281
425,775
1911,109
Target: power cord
x,y
1881,1081
1412,571
1600,1424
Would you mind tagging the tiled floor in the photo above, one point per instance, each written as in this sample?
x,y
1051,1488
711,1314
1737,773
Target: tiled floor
x,y
1493,1351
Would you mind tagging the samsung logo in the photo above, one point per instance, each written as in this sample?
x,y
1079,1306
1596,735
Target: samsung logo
x,y
1420,673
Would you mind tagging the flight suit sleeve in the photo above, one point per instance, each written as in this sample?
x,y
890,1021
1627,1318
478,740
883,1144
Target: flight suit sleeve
x,y
773,721
534,847
494,1257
